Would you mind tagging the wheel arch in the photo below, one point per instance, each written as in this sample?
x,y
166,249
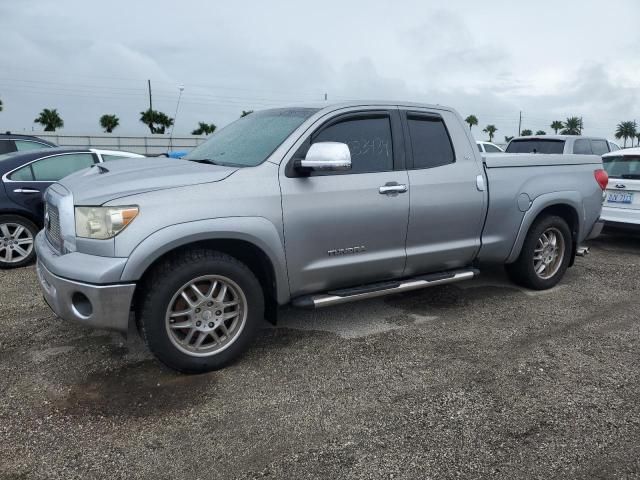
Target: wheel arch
x,y
23,213
259,247
566,205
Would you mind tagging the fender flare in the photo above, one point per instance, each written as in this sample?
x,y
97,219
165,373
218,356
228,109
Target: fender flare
x,y
255,230
571,199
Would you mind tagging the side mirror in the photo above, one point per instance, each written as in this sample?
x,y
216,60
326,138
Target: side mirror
x,y
326,156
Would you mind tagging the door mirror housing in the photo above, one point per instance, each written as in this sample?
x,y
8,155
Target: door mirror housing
x,y
326,157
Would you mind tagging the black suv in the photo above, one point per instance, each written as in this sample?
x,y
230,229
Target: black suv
x,y
17,143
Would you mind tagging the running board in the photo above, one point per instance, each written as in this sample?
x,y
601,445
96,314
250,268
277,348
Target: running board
x,y
373,290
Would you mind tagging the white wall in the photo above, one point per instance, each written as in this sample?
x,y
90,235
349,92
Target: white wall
x,y
152,144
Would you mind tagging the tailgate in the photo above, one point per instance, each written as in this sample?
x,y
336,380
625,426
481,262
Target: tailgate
x,y
623,193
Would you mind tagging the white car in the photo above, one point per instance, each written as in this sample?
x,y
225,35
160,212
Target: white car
x,y
488,147
621,208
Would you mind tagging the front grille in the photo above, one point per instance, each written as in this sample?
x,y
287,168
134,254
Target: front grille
x,y
52,226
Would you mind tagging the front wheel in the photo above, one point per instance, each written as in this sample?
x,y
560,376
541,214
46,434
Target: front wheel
x,y
200,310
545,255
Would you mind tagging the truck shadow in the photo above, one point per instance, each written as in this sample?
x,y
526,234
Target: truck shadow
x,y
137,389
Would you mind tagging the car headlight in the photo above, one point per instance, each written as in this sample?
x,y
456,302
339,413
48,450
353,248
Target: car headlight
x,y
103,222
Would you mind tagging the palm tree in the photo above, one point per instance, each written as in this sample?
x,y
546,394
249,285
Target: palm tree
x,y
557,125
472,120
627,130
508,139
573,126
541,132
204,129
157,121
245,113
109,122
491,130
526,133
50,120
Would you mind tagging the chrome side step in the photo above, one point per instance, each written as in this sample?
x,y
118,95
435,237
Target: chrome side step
x,y
337,297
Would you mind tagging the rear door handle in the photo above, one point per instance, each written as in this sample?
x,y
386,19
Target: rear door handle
x,y
26,190
391,188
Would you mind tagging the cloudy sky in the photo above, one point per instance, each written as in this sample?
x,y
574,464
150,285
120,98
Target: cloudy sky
x,y
548,59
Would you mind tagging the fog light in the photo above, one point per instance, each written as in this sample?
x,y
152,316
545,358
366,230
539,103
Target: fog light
x,y
81,305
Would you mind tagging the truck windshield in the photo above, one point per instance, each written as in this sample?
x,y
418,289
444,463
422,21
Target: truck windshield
x,y
249,141
623,167
535,145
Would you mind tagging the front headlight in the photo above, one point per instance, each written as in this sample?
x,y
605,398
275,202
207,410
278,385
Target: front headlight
x,y
103,222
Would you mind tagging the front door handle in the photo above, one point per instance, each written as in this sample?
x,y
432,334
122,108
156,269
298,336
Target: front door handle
x,y
391,188
26,190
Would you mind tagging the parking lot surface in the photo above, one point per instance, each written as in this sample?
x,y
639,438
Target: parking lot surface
x,y
469,380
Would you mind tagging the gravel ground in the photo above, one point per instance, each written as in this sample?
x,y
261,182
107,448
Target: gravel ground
x,y
470,380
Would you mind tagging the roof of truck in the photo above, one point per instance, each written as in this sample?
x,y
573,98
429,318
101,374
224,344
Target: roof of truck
x,y
364,103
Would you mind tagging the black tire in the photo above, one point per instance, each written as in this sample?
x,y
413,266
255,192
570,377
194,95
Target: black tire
x,y
167,280
28,226
523,272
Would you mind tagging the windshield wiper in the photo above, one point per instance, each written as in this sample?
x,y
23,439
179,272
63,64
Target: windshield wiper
x,y
203,160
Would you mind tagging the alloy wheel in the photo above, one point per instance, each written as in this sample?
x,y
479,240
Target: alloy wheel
x,y
206,315
16,242
549,253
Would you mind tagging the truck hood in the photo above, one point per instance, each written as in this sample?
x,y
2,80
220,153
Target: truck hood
x,y
120,178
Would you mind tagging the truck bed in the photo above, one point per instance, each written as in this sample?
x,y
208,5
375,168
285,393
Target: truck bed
x,y
519,183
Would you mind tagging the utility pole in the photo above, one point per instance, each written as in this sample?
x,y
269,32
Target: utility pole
x,y
181,89
150,104
325,97
520,123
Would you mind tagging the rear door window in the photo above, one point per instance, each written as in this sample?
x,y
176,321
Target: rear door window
x,y
430,142
536,146
599,147
22,175
582,146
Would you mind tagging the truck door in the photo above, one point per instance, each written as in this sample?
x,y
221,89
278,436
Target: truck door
x,y
345,228
447,205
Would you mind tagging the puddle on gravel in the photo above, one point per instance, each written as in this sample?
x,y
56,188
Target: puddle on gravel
x,y
136,390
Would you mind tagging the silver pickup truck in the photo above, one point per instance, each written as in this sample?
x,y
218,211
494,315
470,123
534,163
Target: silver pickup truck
x,y
308,206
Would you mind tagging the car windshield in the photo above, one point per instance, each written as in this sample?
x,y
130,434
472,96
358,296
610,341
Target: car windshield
x,y
536,145
249,141
623,167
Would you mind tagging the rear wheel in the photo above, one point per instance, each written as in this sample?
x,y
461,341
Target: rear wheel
x,y
200,310
17,235
545,255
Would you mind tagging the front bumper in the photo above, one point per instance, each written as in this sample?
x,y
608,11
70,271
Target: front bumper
x,y
97,306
